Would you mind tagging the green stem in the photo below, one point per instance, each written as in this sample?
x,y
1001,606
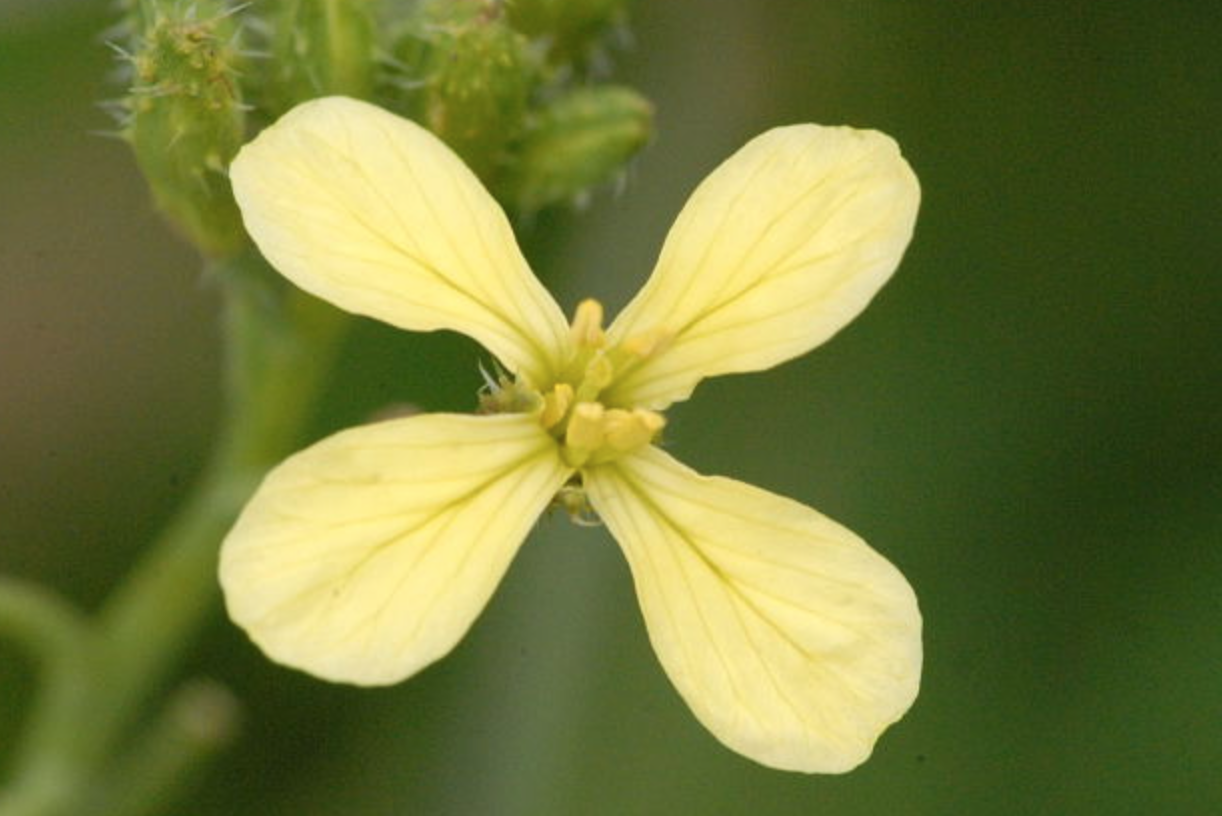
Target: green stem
x,y
55,634
280,351
198,722
280,346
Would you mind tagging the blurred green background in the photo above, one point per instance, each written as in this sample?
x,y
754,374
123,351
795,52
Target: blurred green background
x,y
1026,421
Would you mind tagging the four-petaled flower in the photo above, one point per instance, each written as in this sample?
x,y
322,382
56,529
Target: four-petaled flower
x,y
367,556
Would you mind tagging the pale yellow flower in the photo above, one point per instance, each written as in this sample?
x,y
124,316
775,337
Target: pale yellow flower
x,y
367,556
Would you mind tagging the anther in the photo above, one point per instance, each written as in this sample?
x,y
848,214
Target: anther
x,y
647,342
599,373
585,431
587,328
628,430
556,404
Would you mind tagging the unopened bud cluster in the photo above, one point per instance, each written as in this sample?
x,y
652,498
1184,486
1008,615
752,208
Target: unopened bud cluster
x,y
509,86
512,87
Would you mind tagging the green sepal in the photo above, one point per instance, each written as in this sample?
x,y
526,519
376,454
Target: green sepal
x,y
579,140
187,121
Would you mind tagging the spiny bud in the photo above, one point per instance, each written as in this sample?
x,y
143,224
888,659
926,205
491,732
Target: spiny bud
x,y
322,47
578,141
571,27
186,121
476,76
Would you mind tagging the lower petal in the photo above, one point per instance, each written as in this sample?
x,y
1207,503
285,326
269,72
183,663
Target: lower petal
x,y
792,640
367,556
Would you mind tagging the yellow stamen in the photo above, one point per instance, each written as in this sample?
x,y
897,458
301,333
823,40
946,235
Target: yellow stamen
x,y
598,375
628,430
648,342
586,427
556,404
587,328
590,432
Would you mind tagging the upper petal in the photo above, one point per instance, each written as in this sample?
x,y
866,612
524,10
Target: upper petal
x,y
376,215
367,556
792,641
780,247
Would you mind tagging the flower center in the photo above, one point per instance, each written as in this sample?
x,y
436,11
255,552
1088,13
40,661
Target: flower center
x,y
588,431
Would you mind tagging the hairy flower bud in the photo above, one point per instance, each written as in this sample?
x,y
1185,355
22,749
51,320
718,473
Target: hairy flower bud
x,y
475,78
320,48
187,121
578,141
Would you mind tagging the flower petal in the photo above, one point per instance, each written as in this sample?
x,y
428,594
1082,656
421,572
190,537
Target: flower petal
x,y
376,215
793,641
779,248
367,556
